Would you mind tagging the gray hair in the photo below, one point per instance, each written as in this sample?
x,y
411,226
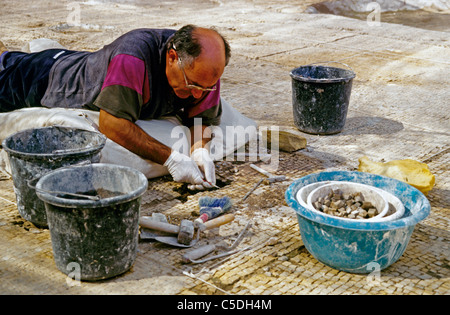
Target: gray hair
x,y
188,46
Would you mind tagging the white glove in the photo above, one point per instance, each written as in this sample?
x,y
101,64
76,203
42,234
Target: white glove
x,y
206,164
183,169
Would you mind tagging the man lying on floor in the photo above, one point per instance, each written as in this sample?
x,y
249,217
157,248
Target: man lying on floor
x,y
145,74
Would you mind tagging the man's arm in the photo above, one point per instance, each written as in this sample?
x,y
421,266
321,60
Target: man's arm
x,y
132,137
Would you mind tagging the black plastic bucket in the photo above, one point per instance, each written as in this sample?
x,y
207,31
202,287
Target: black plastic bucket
x,y
35,152
320,98
98,235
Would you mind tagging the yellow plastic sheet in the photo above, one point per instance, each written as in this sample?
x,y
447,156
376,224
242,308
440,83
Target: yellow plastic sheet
x,y
412,172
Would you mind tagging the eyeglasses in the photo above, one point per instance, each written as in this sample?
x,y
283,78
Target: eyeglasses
x,y
192,86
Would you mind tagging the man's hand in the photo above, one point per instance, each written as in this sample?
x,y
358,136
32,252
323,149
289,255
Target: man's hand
x,y
201,157
183,169
132,137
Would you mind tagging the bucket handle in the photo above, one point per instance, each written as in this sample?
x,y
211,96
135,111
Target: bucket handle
x,y
344,64
55,192
32,184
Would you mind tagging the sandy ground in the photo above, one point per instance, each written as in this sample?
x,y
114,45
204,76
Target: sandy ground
x,y
399,109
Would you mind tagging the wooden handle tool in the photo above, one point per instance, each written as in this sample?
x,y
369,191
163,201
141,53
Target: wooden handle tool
x,y
149,223
223,219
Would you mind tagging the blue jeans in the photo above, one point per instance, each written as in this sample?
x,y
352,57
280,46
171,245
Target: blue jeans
x,y
24,77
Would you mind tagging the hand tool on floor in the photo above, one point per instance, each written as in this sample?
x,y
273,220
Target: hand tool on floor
x,y
253,189
185,230
147,234
221,255
211,208
171,228
270,179
221,220
150,223
194,255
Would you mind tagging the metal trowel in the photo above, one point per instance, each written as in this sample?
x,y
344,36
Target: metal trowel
x,y
173,240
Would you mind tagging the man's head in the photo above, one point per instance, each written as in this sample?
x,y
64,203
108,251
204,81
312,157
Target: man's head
x,y
196,59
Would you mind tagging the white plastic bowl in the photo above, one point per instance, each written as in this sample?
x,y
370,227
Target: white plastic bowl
x,y
396,207
303,193
376,196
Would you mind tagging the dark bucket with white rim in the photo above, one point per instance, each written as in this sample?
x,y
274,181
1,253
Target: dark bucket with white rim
x,y
320,97
34,152
93,216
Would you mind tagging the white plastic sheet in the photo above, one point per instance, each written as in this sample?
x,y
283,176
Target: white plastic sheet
x,y
234,132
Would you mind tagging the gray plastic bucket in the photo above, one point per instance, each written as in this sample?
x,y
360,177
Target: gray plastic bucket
x,y
320,98
35,152
98,237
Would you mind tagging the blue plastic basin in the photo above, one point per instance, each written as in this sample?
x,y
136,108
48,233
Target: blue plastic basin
x,y
358,247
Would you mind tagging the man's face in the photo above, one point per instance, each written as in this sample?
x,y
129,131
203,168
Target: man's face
x,y
202,75
195,80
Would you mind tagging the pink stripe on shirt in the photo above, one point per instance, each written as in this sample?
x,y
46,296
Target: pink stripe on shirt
x,y
128,71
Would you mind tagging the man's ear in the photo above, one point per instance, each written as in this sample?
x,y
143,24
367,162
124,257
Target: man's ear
x,y
172,56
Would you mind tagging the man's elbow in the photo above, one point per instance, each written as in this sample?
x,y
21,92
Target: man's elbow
x,y
112,126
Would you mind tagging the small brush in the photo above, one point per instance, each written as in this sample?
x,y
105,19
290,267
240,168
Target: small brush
x,y
211,208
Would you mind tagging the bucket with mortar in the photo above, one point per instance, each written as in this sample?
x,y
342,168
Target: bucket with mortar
x,y
320,97
35,152
93,218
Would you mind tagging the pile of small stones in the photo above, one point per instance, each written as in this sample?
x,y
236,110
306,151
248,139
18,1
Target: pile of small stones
x,y
350,206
